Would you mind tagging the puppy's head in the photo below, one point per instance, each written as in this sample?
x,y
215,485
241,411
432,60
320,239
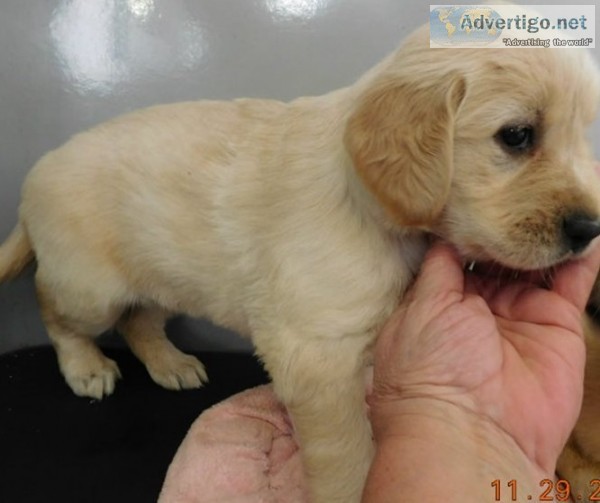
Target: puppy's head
x,y
486,148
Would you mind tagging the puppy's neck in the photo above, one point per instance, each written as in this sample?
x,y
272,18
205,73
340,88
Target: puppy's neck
x,y
372,210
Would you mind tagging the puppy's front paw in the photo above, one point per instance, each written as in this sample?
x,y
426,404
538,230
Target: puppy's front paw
x,y
94,378
176,370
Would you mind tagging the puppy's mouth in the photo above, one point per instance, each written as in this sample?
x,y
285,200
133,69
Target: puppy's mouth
x,y
501,273
505,253
526,260
533,267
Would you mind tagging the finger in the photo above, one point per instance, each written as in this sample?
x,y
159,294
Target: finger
x,y
574,280
441,272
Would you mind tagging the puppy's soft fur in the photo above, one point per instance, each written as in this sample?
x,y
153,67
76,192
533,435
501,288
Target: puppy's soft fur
x,y
301,224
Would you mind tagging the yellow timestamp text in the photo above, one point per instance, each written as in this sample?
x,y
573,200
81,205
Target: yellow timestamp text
x,y
550,490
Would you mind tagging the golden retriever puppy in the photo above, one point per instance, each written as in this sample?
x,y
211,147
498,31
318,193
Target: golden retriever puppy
x,y
301,224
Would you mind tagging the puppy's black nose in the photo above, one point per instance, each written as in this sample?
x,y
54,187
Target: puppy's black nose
x,y
579,230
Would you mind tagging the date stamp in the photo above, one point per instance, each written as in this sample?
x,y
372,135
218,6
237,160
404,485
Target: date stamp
x,y
550,490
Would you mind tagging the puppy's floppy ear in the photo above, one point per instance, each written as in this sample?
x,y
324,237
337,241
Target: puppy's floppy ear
x,y
400,139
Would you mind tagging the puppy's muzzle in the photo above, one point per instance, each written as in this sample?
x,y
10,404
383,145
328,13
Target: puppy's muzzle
x,y
579,230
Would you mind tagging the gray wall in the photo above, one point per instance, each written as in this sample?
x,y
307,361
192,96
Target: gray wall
x,y
66,65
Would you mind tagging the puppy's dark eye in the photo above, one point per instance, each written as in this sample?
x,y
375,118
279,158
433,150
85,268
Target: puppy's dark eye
x,y
516,138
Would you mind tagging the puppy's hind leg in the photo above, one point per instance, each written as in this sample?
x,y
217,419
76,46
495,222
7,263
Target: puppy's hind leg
x,y
143,329
86,370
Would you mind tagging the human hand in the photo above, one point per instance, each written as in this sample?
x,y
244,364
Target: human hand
x,y
509,352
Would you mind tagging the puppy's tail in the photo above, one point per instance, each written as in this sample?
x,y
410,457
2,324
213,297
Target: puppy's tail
x,y
15,253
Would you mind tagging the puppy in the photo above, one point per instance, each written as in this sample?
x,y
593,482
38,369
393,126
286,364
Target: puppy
x,y
301,224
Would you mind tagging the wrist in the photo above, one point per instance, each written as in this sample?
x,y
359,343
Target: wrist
x,y
445,450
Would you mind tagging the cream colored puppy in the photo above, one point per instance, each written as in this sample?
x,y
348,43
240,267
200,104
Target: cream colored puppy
x,y
301,224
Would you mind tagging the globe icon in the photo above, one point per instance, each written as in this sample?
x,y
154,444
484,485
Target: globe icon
x,y
463,26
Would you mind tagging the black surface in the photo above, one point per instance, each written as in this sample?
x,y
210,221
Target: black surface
x,y
56,447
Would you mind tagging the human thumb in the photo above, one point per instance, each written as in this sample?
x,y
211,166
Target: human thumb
x,y
441,273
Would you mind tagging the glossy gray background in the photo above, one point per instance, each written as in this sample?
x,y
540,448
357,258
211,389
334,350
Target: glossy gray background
x,y
66,65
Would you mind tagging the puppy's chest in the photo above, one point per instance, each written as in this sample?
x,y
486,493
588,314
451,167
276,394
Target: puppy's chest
x,y
343,291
